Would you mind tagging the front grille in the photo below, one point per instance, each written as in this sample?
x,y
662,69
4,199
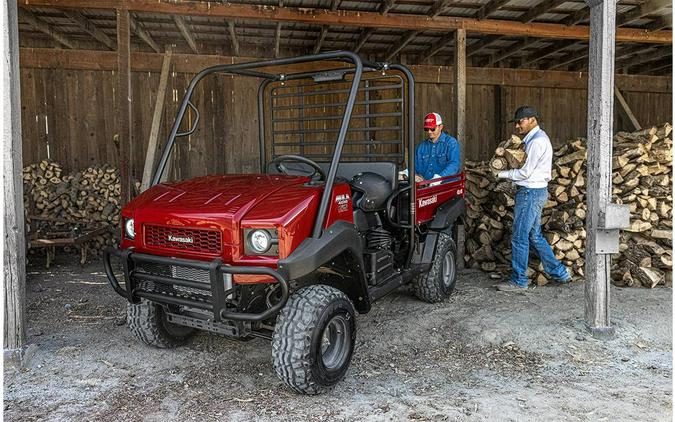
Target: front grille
x,y
181,272
206,241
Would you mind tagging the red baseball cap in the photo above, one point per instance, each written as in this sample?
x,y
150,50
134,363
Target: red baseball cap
x,y
432,120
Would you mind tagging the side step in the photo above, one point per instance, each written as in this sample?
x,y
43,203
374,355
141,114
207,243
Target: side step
x,y
388,286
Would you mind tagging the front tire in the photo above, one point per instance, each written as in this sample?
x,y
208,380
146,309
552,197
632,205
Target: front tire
x,y
439,282
314,339
149,324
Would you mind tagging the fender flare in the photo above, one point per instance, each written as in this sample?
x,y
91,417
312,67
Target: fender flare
x,y
312,253
447,214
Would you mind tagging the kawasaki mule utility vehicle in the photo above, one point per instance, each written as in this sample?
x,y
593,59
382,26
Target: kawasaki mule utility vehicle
x,y
324,230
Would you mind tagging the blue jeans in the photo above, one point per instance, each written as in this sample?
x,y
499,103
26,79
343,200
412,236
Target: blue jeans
x,y
527,232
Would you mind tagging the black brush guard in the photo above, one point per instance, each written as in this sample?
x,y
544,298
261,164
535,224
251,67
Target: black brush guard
x,y
218,299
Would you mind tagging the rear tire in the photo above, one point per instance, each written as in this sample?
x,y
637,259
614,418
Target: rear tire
x,y
439,282
314,339
149,324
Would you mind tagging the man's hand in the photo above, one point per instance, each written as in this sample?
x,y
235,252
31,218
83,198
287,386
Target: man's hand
x,y
418,178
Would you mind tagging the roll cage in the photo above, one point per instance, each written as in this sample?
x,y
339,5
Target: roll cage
x,y
256,69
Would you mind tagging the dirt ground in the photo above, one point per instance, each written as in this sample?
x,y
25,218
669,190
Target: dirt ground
x,y
481,355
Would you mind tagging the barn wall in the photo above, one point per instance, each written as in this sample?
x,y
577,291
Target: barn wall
x,y
67,117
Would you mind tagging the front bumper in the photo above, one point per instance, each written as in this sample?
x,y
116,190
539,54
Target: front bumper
x,y
213,297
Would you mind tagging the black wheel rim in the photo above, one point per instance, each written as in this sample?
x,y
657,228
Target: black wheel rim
x,y
335,343
448,269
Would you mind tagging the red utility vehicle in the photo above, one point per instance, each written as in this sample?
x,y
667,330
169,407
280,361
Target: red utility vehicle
x,y
325,229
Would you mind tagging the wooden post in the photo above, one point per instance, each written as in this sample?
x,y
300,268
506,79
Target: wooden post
x,y
599,176
123,102
459,70
14,256
156,120
625,110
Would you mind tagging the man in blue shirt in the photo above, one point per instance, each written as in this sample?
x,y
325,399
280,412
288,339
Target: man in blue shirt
x,y
438,155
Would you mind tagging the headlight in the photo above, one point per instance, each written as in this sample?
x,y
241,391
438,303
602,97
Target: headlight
x,y
260,240
129,229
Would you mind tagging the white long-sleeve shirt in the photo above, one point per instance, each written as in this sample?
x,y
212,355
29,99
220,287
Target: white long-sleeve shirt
x,y
536,172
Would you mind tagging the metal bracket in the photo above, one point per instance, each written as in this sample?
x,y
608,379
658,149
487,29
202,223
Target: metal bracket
x,y
614,218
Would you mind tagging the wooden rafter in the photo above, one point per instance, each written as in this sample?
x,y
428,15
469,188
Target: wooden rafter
x,y
357,18
661,22
322,37
511,50
42,26
401,43
277,39
437,46
386,6
540,9
569,59
645,58
485,11
485,42
554,48
233,37
666,64
578,16
363,37
182,26
87,26
143,34
628,51
647,8
438,7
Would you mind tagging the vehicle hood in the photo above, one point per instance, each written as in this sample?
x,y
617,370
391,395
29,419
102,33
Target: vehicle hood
x,y
227,195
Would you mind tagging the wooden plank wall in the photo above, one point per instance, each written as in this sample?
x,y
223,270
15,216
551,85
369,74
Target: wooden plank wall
x,y
66,116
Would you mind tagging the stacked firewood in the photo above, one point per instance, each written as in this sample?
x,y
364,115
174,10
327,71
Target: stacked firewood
x,y
88,198
642,164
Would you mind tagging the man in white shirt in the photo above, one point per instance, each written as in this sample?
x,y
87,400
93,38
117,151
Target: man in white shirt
x,y
532,182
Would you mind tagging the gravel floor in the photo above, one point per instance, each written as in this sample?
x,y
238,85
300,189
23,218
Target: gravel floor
x,y
481,355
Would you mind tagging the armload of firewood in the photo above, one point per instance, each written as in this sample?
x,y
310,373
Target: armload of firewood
x,y
85,198
641,175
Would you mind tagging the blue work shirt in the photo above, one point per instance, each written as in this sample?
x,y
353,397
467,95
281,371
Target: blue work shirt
x,y
440,158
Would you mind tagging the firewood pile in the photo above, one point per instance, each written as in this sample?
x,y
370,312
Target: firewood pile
x,y
642,166
88,198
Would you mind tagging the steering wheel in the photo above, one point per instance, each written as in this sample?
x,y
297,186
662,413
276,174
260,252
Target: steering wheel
x,y
279,163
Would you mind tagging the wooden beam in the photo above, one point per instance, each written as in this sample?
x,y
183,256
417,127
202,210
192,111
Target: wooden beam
x,y
400,44
625,110
156,120
277,39
459,91
123,102
355,18
143,35
14,258
492,6
437,46
438,7
87,26
647,8
540,9
386,6
322,37
42,26
47,58
363,37
182,26
233,37
335,4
